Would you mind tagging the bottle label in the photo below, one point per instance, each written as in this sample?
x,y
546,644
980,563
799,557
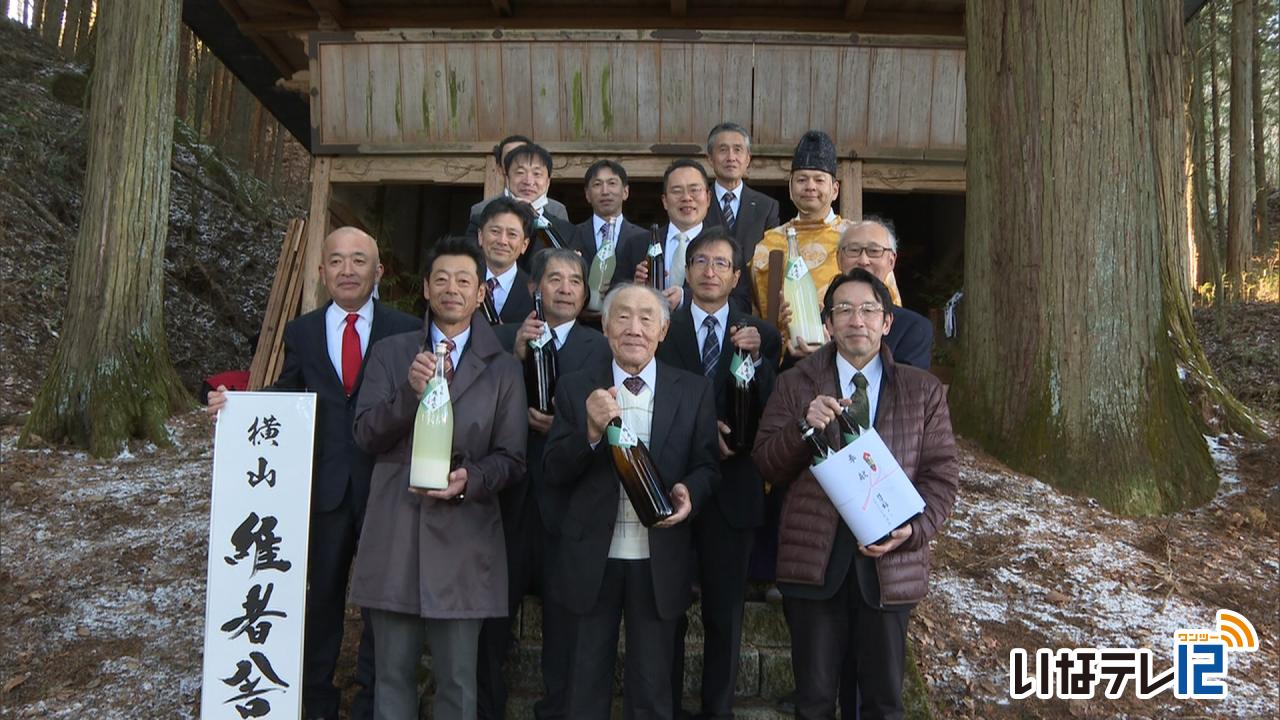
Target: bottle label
x,y
622,436
538,342
742,369
437,396
541,223
606,252
655,250
797,268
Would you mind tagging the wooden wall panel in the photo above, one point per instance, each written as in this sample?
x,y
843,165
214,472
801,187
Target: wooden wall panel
x,y
766,111
737,72
853,97
622,91
824,88
948,69
544,69
915,91
882,103
648,94
384,97
332,115
355,91
489,98
676,93
414,110
598,92
517,93
460,83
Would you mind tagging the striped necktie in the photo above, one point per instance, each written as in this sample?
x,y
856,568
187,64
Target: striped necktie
x,y
710,348
727,211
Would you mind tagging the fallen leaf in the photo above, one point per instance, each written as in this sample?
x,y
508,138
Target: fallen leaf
x,y
15,682
1056,597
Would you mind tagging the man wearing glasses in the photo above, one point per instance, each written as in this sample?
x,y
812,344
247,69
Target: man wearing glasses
x,y
685,198
703,338
872,246
845,602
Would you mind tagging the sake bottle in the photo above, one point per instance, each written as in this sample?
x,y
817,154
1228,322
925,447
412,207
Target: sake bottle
x,y
540,364
743,411
433,431
657,264
638,474
490,309
801,294
602,269
545,235
818,445
849,429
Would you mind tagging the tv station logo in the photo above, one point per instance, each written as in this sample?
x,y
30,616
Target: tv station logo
x,y
1199,669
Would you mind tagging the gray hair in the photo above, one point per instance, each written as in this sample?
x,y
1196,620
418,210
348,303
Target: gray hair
x,y
728,127
617,290
886,225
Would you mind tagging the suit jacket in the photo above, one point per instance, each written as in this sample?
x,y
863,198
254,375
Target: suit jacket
x,y
338,462
553,209
519,301
426,557
757,212
584,347
740,494
910,338
683,446
584,238
636,249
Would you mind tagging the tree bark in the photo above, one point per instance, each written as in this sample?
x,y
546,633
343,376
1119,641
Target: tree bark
x,y
111,377
1259,129
204,73
1208,269
1215,102
37,15
1240,194
51,25
75,11
84,30
1074,225
183,82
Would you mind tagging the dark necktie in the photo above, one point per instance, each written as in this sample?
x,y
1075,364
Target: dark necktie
x,y
860,408
634,384
350,354
448,359
727,211
492,284
710,348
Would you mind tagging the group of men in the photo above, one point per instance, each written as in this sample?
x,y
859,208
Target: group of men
x,y
533,502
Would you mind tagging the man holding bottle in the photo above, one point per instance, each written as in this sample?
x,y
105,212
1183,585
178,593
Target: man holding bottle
x,y
608,563
432,564
844,600
739,354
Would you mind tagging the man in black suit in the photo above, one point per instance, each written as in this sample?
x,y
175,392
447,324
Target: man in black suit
x,y
685,198
598,238
504,237
704,338
608,564
323,353
871,245
745,212
531,513
534,192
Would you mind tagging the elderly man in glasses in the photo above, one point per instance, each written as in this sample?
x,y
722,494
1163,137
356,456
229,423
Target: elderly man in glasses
x,y
872,246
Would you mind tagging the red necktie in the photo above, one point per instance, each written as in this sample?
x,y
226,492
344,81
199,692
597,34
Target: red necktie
x,y
350,354
448,360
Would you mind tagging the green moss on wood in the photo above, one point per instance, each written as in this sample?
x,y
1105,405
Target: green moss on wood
x,y
426,112
577,104
606,102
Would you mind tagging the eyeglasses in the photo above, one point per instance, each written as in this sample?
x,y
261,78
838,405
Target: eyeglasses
x,y
690,190
875,252
700,263
841,312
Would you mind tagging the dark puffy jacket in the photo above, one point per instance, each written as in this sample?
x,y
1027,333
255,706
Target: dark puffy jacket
x,y
912,419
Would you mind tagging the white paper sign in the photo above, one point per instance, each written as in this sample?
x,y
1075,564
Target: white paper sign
x,y
259,524
868,487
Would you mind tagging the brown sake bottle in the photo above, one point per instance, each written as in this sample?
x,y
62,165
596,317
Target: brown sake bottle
x,y
743,410
638,474
545,235
818,444
540,368
657,264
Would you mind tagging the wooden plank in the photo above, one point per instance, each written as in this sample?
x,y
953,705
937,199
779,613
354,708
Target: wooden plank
x,y
914,92
623,93
882,101
735,102
851,189
355,91
489,99
598,90
446,170
271,335
942,102
438,92
795,94
766,111
913,177
545,74
333,113
648,95
517,97
415,105
573,93
831,35
707,86
460,81
851,103
960,105
386,113
676,100
313,293
824,89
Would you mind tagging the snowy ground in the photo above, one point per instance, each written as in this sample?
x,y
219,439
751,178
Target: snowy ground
x,y
102,582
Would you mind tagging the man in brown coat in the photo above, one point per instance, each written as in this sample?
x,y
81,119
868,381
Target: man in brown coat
x,y
840,596
432,564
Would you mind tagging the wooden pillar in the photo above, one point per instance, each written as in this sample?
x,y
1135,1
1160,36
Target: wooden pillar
x,y
313,292
851,189
493,180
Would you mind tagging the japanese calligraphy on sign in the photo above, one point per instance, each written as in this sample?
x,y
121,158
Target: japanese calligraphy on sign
x,y
259,524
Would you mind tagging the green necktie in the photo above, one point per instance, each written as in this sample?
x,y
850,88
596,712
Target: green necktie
x,y
860,408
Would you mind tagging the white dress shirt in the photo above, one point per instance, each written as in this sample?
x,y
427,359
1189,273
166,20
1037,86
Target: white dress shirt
x,y
700,315
335,324
874,372
598,222
459,342
630,537
673,242
505,281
